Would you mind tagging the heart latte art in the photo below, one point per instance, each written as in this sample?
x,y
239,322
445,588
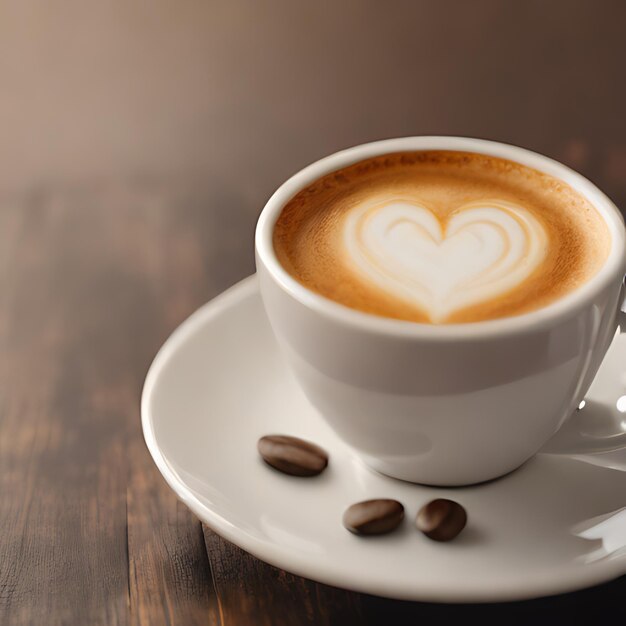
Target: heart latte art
x,y
440,237
482,250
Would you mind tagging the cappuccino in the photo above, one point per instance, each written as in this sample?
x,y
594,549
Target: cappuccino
x,y
440,237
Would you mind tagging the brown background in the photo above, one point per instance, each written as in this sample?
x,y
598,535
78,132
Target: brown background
x,y
138,143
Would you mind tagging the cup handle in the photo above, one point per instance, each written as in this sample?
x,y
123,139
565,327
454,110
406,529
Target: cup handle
x,y
594,427
622,319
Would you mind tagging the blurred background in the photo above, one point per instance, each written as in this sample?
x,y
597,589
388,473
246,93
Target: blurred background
x,y
139,140
238,95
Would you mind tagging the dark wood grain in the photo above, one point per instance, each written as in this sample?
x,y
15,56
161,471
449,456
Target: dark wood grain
x,y
267,596
90,533
169,574
600,605
130,183
63,467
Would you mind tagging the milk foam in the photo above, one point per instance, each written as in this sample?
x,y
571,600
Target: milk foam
x,y
440,237
481,251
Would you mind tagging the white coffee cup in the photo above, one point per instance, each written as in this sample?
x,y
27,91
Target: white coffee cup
x,y
452,404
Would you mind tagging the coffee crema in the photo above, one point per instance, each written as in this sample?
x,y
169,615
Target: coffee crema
x,y
440,237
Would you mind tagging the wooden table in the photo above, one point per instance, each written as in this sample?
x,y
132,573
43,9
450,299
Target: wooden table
x,y
96,272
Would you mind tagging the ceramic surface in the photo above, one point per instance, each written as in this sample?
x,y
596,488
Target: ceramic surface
x,y
556,524
450,404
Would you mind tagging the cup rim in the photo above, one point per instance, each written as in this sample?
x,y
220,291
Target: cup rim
x,y
614,267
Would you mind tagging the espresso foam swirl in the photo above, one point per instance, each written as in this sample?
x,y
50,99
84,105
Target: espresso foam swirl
x,y
440,237
480,251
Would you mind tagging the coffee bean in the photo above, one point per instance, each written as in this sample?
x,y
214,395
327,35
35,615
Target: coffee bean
x,y
373,517
292,455
441,520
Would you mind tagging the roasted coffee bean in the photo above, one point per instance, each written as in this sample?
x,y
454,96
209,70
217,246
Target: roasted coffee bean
x,y
292,455
441,520
373,517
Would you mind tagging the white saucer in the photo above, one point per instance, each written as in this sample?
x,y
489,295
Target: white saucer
x,y
219,383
